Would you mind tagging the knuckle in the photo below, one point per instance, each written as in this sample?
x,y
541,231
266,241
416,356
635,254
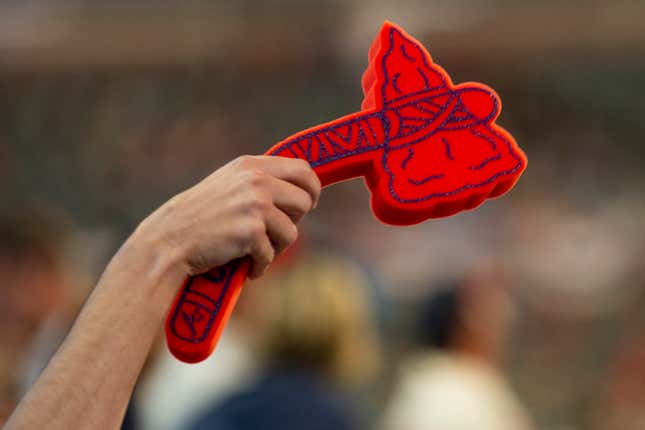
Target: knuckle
x,y
317,183
174,203
301,209
269,255
264,259
254,189
257,178
305,204
303,164
291,235
259,202
244,161
250,232
303,167
256,230
253,178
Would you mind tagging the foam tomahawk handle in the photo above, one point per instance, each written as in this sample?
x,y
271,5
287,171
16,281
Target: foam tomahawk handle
x,y
427,148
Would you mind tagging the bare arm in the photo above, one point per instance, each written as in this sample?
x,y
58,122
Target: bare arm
x,y
248,207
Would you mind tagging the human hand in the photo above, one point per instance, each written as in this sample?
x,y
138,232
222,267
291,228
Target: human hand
x,y
250,206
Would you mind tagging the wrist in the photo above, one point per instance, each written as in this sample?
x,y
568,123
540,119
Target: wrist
x,y
148,267
159,258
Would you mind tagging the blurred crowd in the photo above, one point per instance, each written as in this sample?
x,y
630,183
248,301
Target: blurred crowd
x,y
523,314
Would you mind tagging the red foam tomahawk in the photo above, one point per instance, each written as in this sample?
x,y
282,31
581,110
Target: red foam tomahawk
x,y
426,147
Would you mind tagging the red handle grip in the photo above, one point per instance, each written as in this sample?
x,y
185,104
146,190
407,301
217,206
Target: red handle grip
x,y
204,303
202,309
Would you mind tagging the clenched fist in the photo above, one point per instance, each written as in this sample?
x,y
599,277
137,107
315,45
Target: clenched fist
x,y
250,206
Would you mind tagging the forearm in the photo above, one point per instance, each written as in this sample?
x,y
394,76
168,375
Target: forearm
x,y
247,207
108,345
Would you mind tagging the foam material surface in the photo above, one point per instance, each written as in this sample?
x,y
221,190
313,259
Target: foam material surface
x,y
427,148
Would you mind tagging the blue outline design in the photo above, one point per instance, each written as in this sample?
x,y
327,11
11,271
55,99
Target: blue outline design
x,y
225,275
395,78
426,179
493,144
446,143
486,161
407,159
406,55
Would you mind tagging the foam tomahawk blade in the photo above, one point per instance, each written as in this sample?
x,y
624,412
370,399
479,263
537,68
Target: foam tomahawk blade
x,y
427,148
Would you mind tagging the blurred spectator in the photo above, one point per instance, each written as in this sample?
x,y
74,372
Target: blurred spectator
x,y
622,400
315,333
165,394
36,298
455,381
40,295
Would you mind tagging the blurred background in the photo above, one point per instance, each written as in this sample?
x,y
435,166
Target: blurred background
x,y
523,314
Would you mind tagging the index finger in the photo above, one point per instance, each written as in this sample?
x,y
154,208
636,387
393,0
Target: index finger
x,y
293,170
